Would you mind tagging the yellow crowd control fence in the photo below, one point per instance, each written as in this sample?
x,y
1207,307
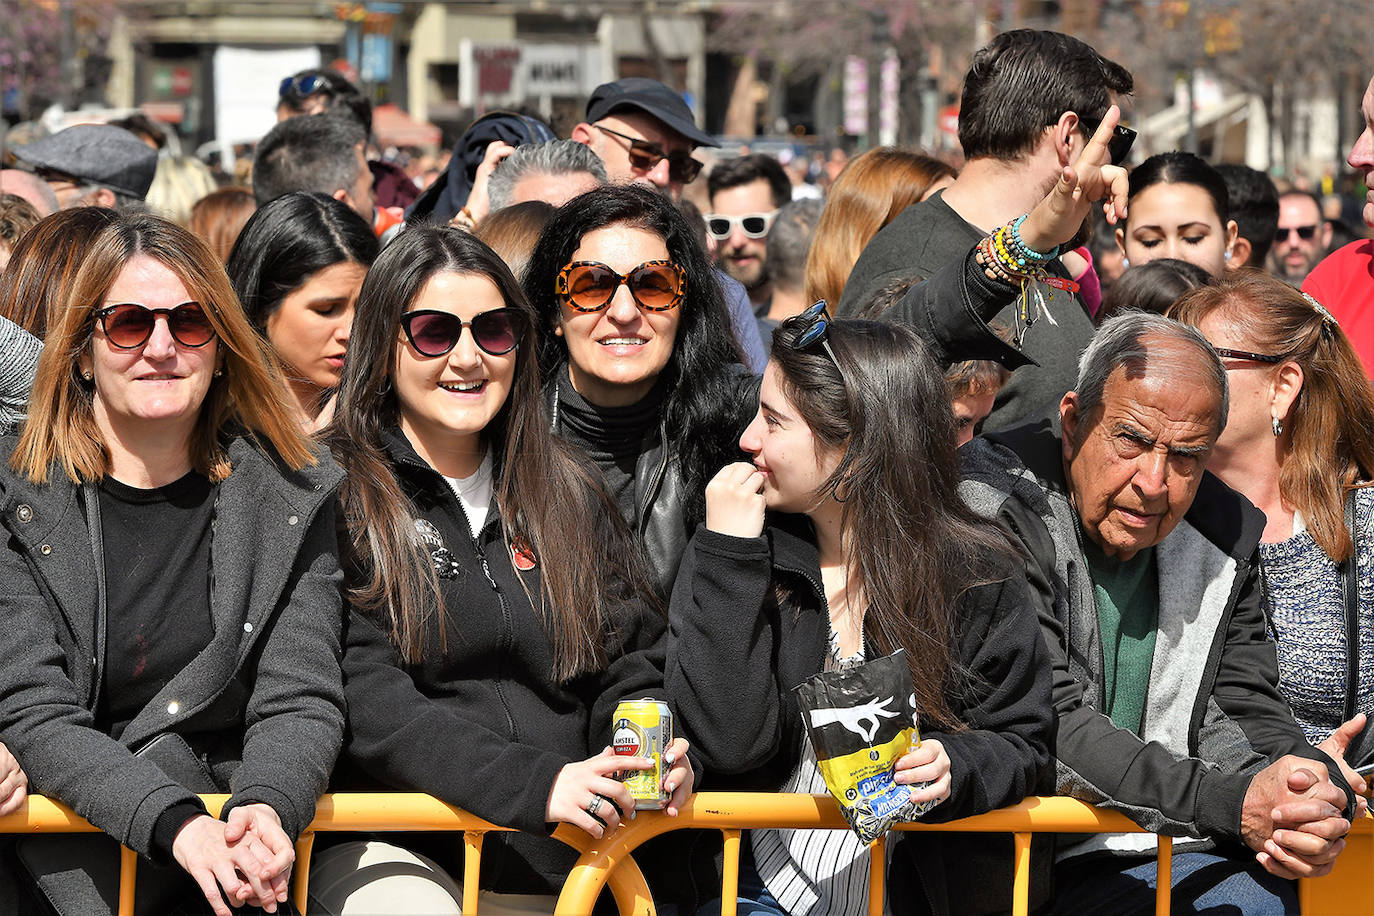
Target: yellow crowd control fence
x,y
608,863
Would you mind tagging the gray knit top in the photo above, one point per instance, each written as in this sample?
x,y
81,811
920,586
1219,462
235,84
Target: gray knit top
x,y
18,359
1308,608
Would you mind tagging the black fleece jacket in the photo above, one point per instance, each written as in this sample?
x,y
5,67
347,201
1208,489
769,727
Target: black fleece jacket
x,y
481,723
735,653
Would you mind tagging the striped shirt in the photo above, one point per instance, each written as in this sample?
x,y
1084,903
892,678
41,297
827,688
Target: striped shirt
x,y
820,872
19,352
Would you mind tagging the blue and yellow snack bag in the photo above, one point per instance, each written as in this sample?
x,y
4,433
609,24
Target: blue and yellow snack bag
x,y
861,721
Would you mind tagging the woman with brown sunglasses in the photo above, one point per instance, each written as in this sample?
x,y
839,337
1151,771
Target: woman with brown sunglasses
x,y
499,612
170,618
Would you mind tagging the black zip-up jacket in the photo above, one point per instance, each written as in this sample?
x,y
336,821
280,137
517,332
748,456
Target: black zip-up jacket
x,y
1215,715
735,654
481,723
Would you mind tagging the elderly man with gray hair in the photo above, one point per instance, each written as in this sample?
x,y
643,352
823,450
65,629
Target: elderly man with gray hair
x,y
1150,599
554,172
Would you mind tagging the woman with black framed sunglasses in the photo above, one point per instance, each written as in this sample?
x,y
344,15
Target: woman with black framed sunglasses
x,y
499,609
1299,444
171,617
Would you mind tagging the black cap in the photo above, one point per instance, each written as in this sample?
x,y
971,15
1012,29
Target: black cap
x,y
651,97
96,153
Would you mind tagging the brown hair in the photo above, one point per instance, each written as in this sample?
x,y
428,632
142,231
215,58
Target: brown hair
x,y
17,216
1332,420
249,395
868,195
913,546
43,264
544,494
219,217
513,231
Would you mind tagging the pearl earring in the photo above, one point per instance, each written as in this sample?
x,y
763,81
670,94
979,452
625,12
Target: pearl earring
x,y
218,373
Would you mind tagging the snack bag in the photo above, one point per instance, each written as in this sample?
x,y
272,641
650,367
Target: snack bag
x,y
861,721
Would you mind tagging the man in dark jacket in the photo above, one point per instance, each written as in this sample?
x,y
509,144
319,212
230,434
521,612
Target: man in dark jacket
x,y
1147,573
1030,103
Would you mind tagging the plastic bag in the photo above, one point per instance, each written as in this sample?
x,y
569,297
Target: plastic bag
x,y
861,721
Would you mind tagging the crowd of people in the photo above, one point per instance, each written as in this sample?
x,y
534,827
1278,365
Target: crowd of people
x,y
337,482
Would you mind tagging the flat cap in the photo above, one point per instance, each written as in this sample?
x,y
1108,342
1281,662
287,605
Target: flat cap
x,y
652,98
97,153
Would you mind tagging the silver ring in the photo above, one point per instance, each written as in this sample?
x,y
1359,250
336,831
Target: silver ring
x,y
594,805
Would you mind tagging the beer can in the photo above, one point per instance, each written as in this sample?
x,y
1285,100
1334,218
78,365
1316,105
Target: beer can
x,y
643,728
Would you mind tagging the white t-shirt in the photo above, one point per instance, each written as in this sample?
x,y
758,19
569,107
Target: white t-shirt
x,y
474,494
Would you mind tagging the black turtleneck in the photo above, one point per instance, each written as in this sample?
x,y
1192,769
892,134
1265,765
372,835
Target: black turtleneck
x,y
613,437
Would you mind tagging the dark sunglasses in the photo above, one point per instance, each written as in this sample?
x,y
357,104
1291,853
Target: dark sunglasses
x,y
1119,146
1304,232
301,86
645,157
128,325
589,286
434,333
1228,353
813,327
753,225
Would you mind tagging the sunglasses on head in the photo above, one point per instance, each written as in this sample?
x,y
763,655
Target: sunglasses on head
x,y
301,86
589,286
434,333
1119,146
753,225
645,157
128,325
813,327
1305,233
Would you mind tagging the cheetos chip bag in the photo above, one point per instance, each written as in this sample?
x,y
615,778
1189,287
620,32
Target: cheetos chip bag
x,y
861,721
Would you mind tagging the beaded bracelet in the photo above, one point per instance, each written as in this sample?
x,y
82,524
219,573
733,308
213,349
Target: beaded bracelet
x,y
1001,260
1019,246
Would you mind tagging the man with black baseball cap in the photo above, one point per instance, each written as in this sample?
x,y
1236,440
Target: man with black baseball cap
x,y
92,165
644,132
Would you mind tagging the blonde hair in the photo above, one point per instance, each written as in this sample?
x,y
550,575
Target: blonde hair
x,y
249,396
868,195
178,183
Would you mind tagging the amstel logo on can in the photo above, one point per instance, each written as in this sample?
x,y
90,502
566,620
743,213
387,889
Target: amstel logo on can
x,y
627,739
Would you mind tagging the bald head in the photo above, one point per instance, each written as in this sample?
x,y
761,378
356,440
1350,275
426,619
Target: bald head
x,y
30,187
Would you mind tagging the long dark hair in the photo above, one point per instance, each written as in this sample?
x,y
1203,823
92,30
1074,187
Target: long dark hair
x,y
544,493
286,241
701,405
913,545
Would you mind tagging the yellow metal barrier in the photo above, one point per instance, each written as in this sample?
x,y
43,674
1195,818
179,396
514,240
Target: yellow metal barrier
x,y
608,863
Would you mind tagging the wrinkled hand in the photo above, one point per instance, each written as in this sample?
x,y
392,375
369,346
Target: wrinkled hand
x,y
734,501
578,783
1091,178
14,783
1336,747
1292,818
201,849
679,779
928,762
479,199
258,826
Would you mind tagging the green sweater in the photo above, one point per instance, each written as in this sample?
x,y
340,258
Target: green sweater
x,y
1127,595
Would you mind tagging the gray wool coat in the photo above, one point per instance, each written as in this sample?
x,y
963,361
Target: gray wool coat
x,y
262,703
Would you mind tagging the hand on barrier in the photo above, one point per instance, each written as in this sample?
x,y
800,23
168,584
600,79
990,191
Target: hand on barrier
x,y
679,779
926,763
201,849
585,795
1294,797
14,783
1091,177
734,501
258,827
